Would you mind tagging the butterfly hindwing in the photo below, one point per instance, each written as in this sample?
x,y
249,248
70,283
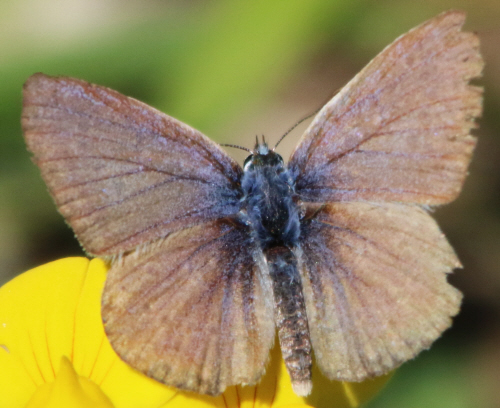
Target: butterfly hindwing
x,y
374,279
122,173
193,310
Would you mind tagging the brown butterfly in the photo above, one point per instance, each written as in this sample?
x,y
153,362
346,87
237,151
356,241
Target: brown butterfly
x,y
335,249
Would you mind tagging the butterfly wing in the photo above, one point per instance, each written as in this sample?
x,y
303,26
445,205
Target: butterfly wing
x,y
194,310
374,279
395,138
398,131
122,173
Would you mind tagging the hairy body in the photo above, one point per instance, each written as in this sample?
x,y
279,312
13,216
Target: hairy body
x,y
269,207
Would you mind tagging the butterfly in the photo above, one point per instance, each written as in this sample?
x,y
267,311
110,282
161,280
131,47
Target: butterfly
x,y
334,250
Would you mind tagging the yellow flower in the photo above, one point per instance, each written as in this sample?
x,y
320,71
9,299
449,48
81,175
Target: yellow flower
x,y
54,353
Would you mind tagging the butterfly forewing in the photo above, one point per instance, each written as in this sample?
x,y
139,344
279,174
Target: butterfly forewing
x,y
122,173
374,278
399,131
194,310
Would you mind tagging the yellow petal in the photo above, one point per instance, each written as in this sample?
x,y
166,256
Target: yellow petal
x,y
54,311
36,327
69,390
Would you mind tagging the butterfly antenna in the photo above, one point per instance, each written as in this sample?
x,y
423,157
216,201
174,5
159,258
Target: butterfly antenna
x,y
235,146
307,117
294,126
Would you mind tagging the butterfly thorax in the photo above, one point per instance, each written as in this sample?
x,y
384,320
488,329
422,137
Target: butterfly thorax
x,y
268,199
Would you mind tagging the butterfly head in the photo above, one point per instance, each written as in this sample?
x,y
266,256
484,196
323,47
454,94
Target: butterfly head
x,y
263,156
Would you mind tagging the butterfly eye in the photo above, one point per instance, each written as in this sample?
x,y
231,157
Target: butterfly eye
x,y
277,161
248,163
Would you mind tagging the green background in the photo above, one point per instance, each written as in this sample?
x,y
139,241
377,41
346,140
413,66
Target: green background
x,y
236,69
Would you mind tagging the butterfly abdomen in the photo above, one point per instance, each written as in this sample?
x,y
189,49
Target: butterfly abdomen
x,y
271,212
290,317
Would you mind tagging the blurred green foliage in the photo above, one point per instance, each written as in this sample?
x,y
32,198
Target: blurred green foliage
x,y
214,63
